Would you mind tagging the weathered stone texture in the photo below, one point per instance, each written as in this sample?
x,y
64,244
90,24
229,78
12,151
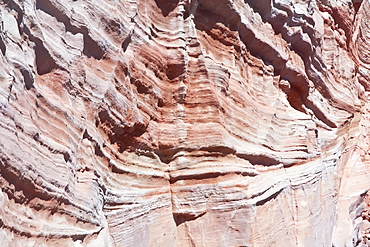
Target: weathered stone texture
x,y
184,123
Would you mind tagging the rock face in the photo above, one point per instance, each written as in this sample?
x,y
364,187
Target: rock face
x,y
184,123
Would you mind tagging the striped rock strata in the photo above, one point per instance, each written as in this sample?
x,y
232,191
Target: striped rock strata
x,y
184,123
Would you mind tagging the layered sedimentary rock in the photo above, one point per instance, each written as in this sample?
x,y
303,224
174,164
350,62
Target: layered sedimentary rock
x,y
184,123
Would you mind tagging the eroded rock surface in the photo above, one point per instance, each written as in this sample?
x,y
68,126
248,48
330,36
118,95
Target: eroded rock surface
x,y
184,123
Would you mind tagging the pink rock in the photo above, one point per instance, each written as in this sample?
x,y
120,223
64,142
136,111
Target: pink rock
x,y
184,123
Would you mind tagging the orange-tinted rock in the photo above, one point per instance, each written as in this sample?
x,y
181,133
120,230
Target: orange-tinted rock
x,y
184,123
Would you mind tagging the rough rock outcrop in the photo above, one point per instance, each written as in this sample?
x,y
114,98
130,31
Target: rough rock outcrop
x,y
184,123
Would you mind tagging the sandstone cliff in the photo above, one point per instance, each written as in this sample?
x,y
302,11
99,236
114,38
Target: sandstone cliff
x,y
184,123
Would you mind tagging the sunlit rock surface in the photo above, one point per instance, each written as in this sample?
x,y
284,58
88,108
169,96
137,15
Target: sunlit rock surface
x,y
184,123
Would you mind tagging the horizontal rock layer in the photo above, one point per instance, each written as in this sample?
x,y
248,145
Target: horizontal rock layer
x,y
184,123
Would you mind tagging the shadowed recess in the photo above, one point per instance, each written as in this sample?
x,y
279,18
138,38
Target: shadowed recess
x,y
44,62
126,42
24,186
200,176
28,79
91,47
166,6
126,137
174,70
2,45
182,218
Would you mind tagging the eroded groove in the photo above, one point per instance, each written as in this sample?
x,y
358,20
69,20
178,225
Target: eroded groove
x,y
269,198
97,149
258,159
298,95
167,155
66,155
46,235
200,176
301,47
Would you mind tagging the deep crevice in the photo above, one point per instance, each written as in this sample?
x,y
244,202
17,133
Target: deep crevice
x,y
67,157
254,159
141,87
356,6
166,155
98,151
